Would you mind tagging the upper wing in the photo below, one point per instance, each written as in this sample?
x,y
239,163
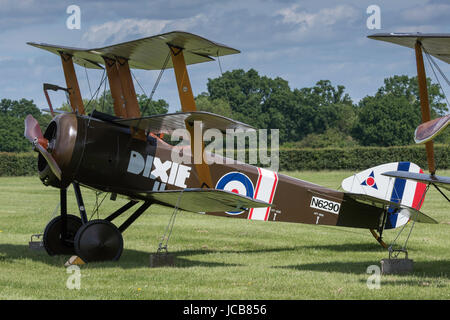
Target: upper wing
x,y
204,200
167,123
373,201
430,129
147,53
436,44
421,177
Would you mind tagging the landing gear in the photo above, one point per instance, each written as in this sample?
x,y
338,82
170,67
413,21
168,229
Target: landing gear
x,y
98,240
58,241
95,240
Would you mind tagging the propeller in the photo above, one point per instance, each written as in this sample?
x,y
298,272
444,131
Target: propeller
x,y
34,134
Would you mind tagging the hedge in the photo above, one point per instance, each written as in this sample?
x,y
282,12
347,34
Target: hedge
x,y
359,158
18,164
23,164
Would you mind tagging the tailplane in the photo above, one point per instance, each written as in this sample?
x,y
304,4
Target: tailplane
x,y
406,194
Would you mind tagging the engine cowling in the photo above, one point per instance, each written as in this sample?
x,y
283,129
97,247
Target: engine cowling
x,y
61,133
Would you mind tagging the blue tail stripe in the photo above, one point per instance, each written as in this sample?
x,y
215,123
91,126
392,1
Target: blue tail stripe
x,y
397,195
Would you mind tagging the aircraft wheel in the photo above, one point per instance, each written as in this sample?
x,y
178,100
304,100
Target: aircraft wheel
x,y
53,242
98,240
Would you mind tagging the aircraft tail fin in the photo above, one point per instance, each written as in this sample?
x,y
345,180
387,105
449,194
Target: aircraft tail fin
x,y
405,193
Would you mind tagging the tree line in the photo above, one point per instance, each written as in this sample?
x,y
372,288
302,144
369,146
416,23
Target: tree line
x,y
320,116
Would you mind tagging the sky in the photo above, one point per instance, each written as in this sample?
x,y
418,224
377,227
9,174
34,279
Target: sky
x,y
300,41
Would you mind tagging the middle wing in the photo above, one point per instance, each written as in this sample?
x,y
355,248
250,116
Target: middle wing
x,y
414,214
167,123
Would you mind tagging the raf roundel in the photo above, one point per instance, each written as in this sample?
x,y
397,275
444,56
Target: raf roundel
x,y
370,181
238,183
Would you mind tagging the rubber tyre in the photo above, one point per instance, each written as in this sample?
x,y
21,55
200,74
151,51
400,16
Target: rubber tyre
x,y
53,243
98,240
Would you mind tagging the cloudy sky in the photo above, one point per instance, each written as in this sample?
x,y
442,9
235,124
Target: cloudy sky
x,y
300,41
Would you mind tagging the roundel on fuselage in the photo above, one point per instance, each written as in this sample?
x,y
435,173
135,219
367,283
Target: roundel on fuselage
x,y
236,182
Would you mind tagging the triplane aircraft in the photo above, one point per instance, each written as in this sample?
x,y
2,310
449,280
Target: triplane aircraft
x,y
124,155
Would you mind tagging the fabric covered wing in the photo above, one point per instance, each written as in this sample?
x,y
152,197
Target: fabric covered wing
x,y
436,44
204,200
167,123
381,203
421,177
147,53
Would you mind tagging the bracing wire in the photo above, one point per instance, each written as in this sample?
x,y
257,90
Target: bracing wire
x,y
97,205
431,63
87,78
150,98
97,91
412,226
221,74
164,242
104,97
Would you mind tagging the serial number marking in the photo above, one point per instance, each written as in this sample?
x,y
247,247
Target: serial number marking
x,y
325,205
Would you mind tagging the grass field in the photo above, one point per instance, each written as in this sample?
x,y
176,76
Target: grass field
x,y
219,258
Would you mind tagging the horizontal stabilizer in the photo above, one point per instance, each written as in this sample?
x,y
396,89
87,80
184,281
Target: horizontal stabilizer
x,y
430,129
406,212
420,177
204,200
371,186
373,182
167,123
436,44
146,53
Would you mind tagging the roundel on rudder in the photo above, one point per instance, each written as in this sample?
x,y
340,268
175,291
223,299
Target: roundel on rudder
x,y
238,183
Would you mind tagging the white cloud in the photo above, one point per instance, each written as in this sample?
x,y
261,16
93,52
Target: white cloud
x,y
417,28
117,31
426,13
324,17
124,29
5,59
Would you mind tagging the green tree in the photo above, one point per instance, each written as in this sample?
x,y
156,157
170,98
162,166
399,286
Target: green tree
x,y
105,103
217,106
269,103
390,116
12,125
322,107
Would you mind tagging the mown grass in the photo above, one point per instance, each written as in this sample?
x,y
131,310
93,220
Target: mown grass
x,y
219,258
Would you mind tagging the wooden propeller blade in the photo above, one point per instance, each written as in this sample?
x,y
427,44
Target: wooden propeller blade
x,y
32,129
430,129
34,134
50,160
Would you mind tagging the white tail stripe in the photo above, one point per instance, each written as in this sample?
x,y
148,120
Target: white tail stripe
x,y
410,187
265,191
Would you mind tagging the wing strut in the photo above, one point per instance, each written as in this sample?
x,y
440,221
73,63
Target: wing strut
x,y
120,109
122,91
424,103
188,104
76,102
